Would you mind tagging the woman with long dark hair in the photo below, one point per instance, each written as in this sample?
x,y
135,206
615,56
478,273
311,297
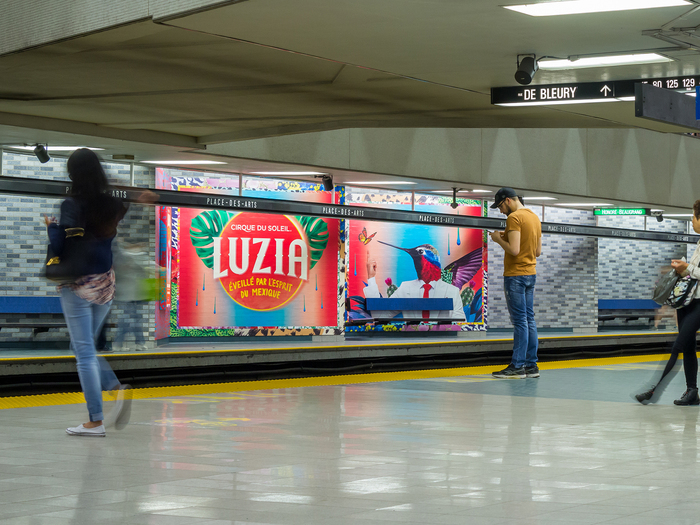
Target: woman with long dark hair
x,y
93,212
688,326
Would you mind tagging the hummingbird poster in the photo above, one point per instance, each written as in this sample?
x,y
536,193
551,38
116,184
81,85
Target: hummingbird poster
x,y
401,258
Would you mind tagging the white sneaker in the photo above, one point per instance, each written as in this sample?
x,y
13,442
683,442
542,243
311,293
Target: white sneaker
x,y
80,430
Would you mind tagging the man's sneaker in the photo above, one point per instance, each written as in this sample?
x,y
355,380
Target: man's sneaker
x,y
689,397
510,372
532,371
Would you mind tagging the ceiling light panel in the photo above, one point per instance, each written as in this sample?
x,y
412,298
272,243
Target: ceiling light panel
x,y
577,7
290,173
385,182
181,162
54,148
604,61
583,204
539,198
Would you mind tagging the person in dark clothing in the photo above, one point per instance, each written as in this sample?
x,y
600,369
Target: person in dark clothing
x,y
94,214
688,326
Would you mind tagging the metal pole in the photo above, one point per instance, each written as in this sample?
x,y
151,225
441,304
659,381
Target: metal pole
x,y
131,173
2,154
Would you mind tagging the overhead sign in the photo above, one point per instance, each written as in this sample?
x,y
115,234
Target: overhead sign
x,y
621,211
49,188
583,92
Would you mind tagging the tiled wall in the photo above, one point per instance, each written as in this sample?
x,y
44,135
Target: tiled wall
x,y
566,293
572,273
629,269
23,238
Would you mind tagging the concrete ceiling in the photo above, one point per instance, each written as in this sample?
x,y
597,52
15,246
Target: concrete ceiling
x,y
262,68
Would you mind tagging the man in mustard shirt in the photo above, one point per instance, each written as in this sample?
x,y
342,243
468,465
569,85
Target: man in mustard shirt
x,y
522,242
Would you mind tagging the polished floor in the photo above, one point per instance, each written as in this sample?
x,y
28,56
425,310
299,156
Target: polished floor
x,y
569,447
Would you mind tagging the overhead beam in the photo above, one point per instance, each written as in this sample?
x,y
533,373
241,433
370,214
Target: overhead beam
x,y
664,105
95,130
58,189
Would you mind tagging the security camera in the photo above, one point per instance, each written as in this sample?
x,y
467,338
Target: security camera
x,y
658,214
527,67
41,153
454,205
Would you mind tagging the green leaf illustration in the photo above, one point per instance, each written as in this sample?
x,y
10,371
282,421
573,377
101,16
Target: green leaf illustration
x,y
204,228
317,232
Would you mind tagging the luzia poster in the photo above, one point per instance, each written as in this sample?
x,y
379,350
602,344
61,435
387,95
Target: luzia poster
x,y
246,273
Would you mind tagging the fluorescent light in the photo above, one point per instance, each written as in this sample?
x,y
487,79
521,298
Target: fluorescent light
x,y
461,191
600,61
378,182
287,173
54,148
678,214
558,102
182,162
539,198
582,204
575,7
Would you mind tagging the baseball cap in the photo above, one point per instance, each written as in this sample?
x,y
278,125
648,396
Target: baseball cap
x,y
503,194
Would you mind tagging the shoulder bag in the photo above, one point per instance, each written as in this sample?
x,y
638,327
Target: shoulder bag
x,y
683,292
665,286
69,266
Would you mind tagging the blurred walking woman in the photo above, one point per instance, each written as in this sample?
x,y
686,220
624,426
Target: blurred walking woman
x,y
86,301
689,321
688,325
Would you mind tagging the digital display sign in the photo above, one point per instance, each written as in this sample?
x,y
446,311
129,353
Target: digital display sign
x,y
622,211
585,92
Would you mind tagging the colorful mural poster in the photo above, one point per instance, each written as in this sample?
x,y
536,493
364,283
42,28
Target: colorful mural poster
x,y
396,260
248,273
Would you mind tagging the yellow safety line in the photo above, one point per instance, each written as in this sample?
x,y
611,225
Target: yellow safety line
x,y
214,388
328,347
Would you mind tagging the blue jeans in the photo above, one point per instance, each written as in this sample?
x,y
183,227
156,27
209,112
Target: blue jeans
x,y
520,300
84,321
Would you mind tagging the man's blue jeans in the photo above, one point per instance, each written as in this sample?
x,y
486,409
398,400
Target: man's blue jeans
x,y
84,322
520,300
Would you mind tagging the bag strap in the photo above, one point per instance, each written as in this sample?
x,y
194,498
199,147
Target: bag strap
x,y
74,232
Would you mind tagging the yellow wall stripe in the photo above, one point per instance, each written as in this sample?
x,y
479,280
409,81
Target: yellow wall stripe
x,y
214,388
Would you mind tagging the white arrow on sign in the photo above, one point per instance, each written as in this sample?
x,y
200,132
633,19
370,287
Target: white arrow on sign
x,y
605,90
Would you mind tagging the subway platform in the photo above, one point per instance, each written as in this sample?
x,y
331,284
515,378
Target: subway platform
x,y
439,447
41,370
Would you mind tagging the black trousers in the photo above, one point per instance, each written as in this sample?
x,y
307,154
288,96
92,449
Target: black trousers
x,y
688,326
